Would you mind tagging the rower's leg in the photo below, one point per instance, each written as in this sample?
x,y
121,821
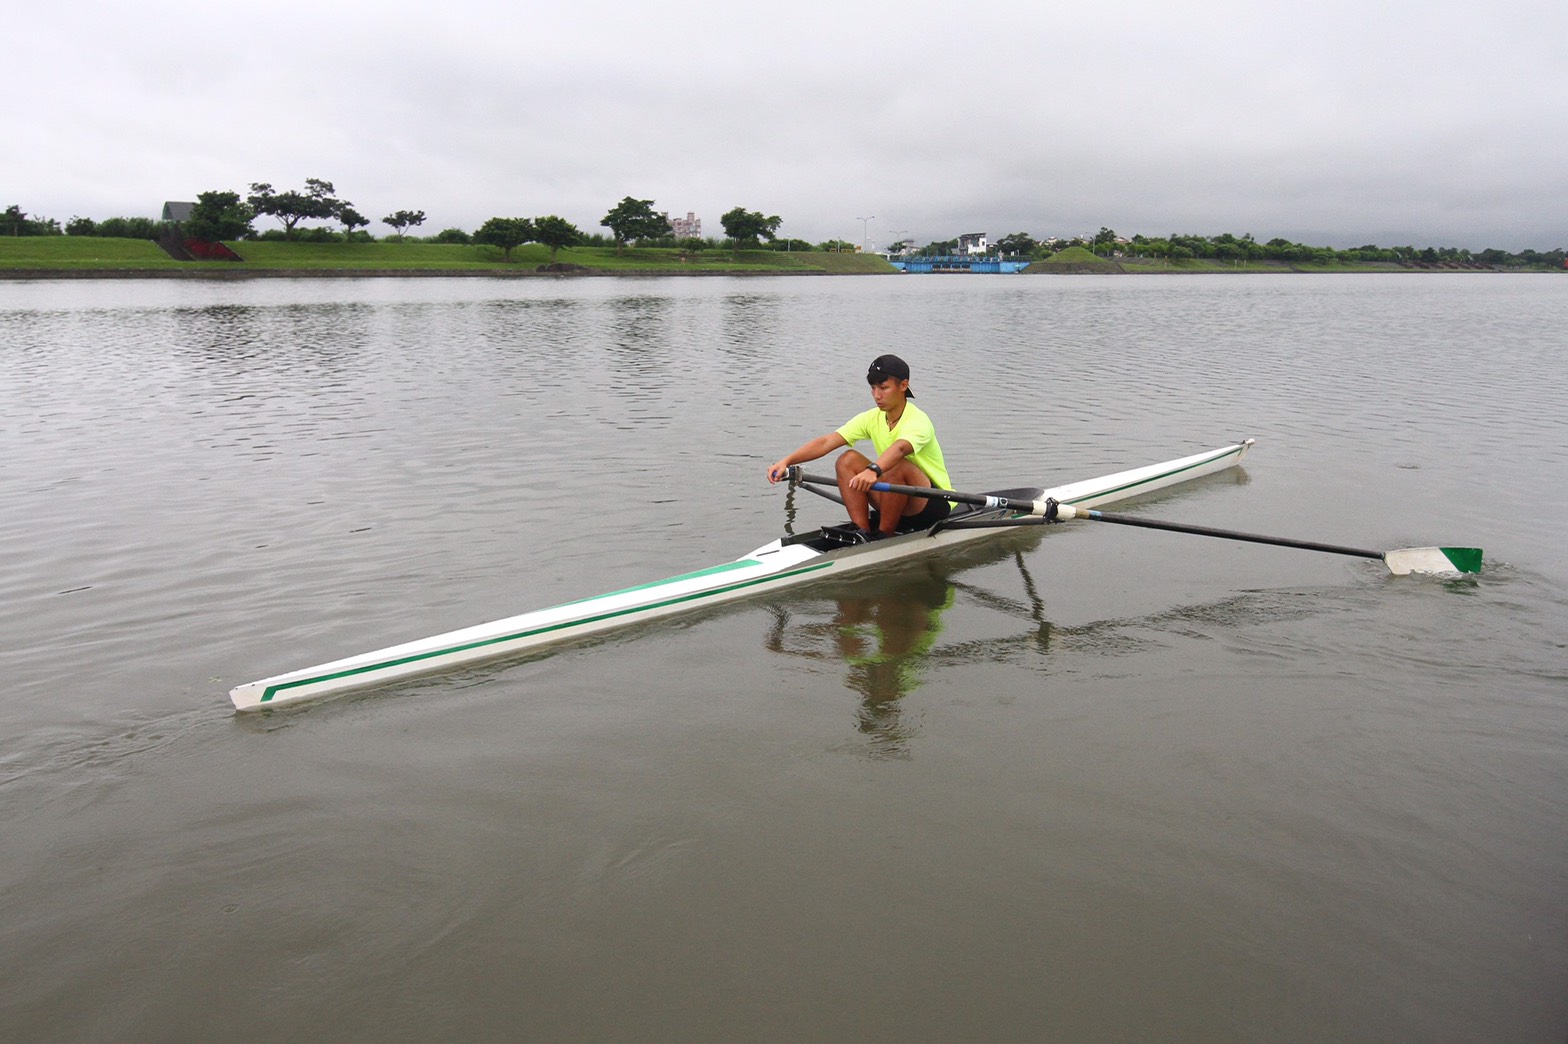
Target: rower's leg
x,y
851,463
897,506
891,507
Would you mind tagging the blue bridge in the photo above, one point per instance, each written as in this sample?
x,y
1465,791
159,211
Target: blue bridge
x,y
959,263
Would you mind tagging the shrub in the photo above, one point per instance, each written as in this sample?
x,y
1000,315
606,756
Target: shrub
x,y
129,228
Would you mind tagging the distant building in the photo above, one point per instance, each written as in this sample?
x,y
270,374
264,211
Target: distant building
x,y
972,243
177,211
688,227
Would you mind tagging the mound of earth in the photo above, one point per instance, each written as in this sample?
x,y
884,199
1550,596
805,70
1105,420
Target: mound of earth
x,y
1074,260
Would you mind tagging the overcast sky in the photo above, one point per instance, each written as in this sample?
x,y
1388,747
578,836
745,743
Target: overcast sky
x,y
1423,122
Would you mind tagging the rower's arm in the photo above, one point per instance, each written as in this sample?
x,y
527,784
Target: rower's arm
x,y
885,462
820,446
894,453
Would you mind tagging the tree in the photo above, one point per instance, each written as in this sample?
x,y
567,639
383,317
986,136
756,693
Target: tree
x,y
218,216
505,233
1021,243
351,219
635,219
292,207
749,227
15,219
401,220
555,233
80,226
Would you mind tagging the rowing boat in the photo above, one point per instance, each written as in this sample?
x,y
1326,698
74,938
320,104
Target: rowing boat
x,y
830,552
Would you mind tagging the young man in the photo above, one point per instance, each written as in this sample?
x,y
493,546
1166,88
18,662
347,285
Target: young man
x,y
905,454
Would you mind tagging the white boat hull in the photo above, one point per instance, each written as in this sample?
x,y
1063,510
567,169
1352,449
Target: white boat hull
x,y
771,567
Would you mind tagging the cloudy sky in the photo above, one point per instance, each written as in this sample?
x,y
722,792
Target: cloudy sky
x,y
1424,122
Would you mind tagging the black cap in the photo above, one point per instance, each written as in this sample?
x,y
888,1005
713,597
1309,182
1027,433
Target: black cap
x,y
885,366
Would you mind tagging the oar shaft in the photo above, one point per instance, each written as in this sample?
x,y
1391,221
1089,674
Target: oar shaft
x,y
1226,534
979,499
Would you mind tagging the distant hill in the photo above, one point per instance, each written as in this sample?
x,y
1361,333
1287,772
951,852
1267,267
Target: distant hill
x,y
1072,260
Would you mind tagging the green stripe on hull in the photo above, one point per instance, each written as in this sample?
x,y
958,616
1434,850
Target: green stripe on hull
x,y
710,571
273,690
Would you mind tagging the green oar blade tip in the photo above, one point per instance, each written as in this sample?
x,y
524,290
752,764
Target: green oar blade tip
x,y
1444,561
1465,559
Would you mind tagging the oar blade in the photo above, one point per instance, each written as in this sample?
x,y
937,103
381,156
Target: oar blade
x,y
1444,561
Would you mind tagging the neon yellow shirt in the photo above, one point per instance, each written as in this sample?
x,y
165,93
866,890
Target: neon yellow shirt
x,y
914,427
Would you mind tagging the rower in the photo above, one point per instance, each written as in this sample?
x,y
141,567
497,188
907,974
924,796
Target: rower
x,y
905,453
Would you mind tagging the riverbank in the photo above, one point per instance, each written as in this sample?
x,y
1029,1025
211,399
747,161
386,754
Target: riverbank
x,y
1078,261
55,257
92,257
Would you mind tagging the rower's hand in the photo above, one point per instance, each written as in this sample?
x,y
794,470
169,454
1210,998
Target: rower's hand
x,y
863,480
778,472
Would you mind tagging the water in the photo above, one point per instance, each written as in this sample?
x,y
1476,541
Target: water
x,y
1090,784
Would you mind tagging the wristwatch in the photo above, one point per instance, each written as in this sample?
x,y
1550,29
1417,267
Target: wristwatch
x,y
874,466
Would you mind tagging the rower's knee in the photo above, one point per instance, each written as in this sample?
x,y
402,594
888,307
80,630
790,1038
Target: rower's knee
x,y
850,463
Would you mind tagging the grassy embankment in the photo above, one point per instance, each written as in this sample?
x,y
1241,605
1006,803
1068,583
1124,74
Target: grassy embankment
x,y
78,254
1209,264
71,253
88,255
1079,260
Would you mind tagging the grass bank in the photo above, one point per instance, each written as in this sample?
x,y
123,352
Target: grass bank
x,y
1212,265
86,254
77,253
1078,260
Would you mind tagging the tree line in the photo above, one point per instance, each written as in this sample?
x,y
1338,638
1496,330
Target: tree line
x,y
1227,247
218,216
225,215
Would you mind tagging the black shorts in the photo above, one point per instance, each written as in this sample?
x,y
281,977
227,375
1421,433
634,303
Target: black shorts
x,y
936,510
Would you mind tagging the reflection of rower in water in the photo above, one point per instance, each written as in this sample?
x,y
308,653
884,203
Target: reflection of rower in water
x,y
884,639
885,642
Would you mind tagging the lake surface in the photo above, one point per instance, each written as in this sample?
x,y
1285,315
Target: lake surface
x,y
1093,783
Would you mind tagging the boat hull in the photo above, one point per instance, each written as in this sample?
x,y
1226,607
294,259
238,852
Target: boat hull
x,y
774,566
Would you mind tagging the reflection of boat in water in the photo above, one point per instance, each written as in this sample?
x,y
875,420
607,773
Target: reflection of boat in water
x,y
884,634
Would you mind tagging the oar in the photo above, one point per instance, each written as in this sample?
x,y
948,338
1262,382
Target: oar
x,y
1449,561
1402,560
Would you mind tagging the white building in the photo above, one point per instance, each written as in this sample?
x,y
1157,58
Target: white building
x,y
972,243
688,227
